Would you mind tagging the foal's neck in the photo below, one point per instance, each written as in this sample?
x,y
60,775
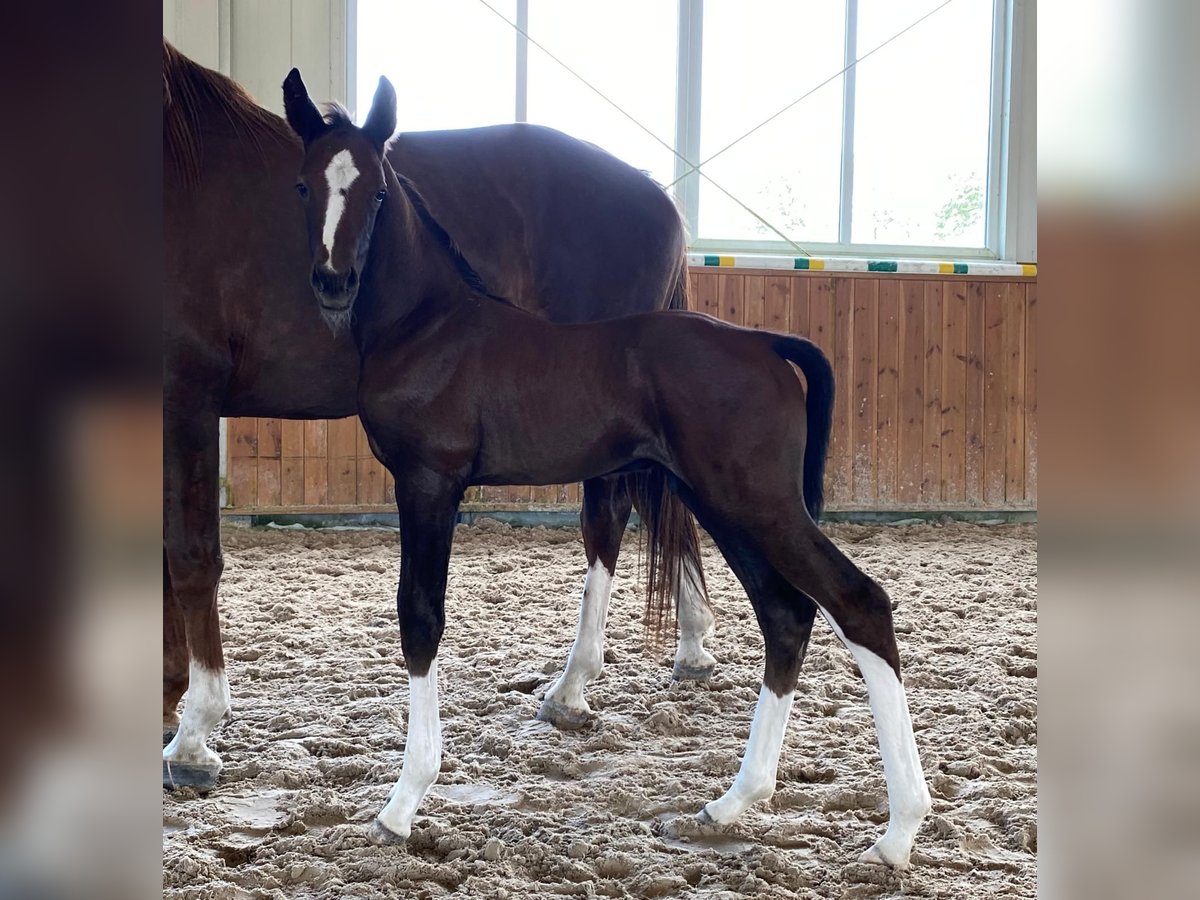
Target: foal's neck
x,y
410,274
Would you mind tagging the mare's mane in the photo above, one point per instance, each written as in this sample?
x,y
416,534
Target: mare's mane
x,y
188,88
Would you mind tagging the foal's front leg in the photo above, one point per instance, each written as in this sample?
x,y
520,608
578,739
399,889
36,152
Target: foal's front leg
x,y
428,510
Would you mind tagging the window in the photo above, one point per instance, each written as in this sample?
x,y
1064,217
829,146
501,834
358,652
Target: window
x,y
856,126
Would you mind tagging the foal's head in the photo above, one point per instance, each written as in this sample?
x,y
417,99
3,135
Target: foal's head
x,y
342,184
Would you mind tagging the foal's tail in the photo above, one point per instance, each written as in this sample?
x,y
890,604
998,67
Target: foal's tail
x,y
819,375
672,550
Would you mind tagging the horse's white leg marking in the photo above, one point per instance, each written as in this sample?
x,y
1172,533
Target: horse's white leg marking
x,y
756,778
422,755
695,624
587,653
908,795
340,173
206,702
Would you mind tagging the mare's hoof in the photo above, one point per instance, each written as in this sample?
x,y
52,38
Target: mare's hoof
x,y
684,672
179,775
382,836
562,716
876,856
704,818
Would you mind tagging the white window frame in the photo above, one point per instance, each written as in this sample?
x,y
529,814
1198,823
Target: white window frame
x,y
1010,200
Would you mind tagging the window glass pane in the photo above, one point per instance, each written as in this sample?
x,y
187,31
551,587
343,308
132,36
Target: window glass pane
x,y
759,57
626,49
453,62
921,124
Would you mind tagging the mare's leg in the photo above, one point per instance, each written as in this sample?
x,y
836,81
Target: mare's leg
x,y
860,612
192,544
428,509
785,616
605,513
175,656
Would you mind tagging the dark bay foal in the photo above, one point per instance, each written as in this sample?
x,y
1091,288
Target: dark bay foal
x,y
458,388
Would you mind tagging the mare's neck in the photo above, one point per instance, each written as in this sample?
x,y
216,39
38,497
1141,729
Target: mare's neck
x,y
410,278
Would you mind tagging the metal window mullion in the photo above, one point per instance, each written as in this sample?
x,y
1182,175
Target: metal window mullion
x,y
996,205
849,90
521,113
687,110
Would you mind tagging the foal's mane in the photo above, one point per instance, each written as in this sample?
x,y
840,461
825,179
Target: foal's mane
x,y
187,88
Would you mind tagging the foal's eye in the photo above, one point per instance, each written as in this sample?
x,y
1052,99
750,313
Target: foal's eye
x,y
380,195
302,189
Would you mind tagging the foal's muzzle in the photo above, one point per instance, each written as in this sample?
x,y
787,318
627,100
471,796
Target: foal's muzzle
x,y
335,290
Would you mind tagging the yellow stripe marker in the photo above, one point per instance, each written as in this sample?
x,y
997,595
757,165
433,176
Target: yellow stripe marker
x,y
945,268
1028,269
817,264
725,260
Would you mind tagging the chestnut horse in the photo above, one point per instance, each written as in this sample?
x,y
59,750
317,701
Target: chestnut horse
x,y
459,388
564,229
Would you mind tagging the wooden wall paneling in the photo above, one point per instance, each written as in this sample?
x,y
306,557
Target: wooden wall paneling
x,y
931,444
269,467
909,469
955,363
342,462
369,472
731,291
1031,395
706,294
1014,394
864,386
973,405
242,447
798,308
995,392
316,470
887,398
777,302
840,294
755,301
291,472
693,290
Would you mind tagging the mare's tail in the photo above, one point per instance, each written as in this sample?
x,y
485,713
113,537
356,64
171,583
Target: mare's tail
x,y
672,550
819,375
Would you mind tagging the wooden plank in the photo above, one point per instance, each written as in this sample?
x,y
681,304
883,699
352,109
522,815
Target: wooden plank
x,y
973,402
995,369
798,321
831,300
243,481
291,438
369,481
316,467
1031,396
242,437
731,290
270,438
693,289
291,481
931,449
1014,395
887,396
954,394
342,476
865,389
911,385
777,301
269,481
342,437
755,301
706,294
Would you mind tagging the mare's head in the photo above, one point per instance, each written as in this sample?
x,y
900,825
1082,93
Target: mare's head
x,y
342,185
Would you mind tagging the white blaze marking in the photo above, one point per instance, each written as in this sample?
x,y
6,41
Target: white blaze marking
x,y
695,622
207,701
756,778
908,795
422,754
340,173
587,653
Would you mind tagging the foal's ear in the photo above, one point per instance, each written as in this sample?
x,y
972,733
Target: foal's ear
x,y
302,113
381,120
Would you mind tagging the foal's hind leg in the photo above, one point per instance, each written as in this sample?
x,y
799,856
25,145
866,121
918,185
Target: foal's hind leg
x,y
606,507
860,612
785,617
175,656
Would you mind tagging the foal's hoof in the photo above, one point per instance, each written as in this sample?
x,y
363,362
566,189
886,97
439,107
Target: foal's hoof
x,y
193,775
382,836
878,856
685,672
168,735
704,818
562,716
